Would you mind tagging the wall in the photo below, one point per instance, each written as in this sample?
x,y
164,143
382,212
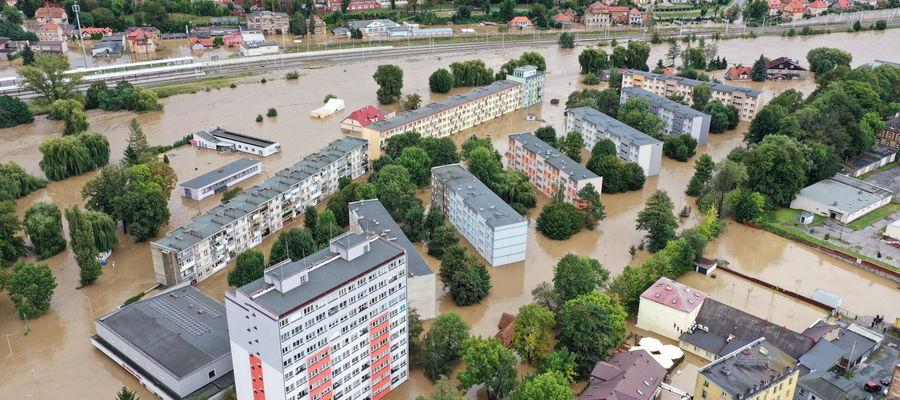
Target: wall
x,y
422,295
509,243
662,319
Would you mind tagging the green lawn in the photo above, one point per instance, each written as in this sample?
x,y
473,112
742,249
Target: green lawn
x,y
884,167
874,216
790,217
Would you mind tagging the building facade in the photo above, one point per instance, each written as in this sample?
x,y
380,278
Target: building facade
x,y
206,245
46,15
669,308
547,168
747,101
50,31
890,136
221,179
143,40
494,228
330,326
268,22
783,68
532,81
756,371
220,139
632,145
679,118
841,197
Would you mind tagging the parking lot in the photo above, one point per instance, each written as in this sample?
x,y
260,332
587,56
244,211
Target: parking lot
x,y
888,179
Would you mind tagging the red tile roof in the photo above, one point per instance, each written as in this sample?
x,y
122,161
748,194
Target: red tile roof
x,y
795,7
366,115
562,18
634,11
516,20
817,4
617,9
673,294
49,25
775,4
629,375
842,4
49,12
506,329
736,72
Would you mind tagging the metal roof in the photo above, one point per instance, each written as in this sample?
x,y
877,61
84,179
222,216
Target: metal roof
x,y
553,156
477,196
613,126
661,102
693,82
376,219
750,369
224,172
844,193
822,356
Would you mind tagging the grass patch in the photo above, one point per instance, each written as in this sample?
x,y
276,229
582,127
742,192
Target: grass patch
x,y
873,216
38,109
802,237
194,86
884,167
790,217
849,375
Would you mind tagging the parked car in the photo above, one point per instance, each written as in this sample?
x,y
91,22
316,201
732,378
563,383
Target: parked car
x,y
872,387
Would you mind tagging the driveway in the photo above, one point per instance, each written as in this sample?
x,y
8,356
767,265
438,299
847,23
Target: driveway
x,y
866,241
889,179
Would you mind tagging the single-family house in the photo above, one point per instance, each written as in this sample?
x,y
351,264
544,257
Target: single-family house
x,y
784,68
633,375
363,117
564,20
794,10
50,31
890,136
143,40
817,7
88,33
521,23
46,15
635,17
840,5
506,329
341,31
200,44
669,308
319,26
841,197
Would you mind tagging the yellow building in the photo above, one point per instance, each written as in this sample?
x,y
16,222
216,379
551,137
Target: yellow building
x,y
669,308
756,371
747,101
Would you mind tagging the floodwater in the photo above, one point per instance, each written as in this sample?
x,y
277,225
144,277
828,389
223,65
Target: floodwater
x,y
56,356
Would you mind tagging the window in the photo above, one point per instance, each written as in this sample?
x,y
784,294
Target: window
x,y
212,374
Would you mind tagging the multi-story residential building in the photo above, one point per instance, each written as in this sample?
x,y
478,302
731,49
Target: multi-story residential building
x,y
890,136
747,101
494,228
669,308
355,5
547,168
599,14
459,112
320,26
143,40
46,15
269,22
632,145
755,371
371,216
330,326
210,241
220,139
679,118
221,179
50,31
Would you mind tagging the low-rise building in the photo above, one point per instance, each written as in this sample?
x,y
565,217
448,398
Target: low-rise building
x,y
364,117
739,73
47,15
632,145
249,49
506,329
816,7
564,20
632,375
493,228
784,68
50,31
206,245
355,5
50,46
143,40
319,26
679,118
635,17
870,160
747,101
87,33
827,385
547,168
403,31
233,39
858,343
890,136
600,14
669,308
370,216
521,23
174,342
221,179
794,9
221,139
269,22
842,198
755,371
892,234
109,46
372,25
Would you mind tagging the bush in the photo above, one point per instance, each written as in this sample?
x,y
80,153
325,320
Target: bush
x,y
681,147
559,221
292,75
232,85
272,113
14,112
259,118
263,80
591,79
881,25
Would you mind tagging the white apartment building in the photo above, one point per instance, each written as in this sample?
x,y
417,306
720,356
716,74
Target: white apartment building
x,y
747,101
547,168
330,326
221,179
632,145
220,139
203,247
496,231
679,118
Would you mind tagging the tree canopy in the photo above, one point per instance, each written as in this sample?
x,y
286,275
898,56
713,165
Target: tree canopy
x,y
488,363
658,220
589,326
443,344
30,288
249,267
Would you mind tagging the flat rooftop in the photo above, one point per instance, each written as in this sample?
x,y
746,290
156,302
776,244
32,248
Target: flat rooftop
x,y
221,133
477,196
376,219
662,102
749,369
613,126
181,329
553,156
220,174
693,82
844,193
674,294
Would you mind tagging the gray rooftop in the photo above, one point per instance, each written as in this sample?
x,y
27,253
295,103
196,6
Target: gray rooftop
x,y
376,219
222,133
857,340
254,45
893,124
250,199
661,102
327,271
434,108
822,356
364,23
613,126
749,369
170,329
477,196
224,172
831,386
553,156
844,193
693,82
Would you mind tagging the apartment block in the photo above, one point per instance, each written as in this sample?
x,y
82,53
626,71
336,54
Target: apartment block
x,y
755,371
220,179
679,118
269,22
448,117
747,101
632,145
547,168
496,231
203,247
330,326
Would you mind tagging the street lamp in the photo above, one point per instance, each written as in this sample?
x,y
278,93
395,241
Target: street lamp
x,y
77,9
8,343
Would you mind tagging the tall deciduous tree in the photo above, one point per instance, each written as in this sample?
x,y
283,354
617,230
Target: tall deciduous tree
x,y
249,267
443,344
658,220
488,363
778,168
700,96
11,245
547,134
418,163
72,113
48,79
589,326
546,386
559,220
15,182
294,244
593,60
441,81
483,164
531,336
561,361
572,144
390,81
326,228
470,284
43,224
14,112
703,168
443,390
576,275
30,288
441,238
81,236
591,207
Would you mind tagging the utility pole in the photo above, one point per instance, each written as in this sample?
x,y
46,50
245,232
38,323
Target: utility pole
x,y
8,343
77,9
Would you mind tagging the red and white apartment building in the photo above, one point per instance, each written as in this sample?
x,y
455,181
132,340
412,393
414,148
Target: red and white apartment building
x,y
332,325
548,168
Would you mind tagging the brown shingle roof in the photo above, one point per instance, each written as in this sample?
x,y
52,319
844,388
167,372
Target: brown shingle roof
x,y
626,376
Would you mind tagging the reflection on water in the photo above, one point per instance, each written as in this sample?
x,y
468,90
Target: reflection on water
x,y
58,348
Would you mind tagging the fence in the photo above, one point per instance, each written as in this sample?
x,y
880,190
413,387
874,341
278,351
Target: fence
x,y
887,13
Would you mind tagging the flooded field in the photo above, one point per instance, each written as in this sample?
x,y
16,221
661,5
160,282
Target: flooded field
x,y
56,356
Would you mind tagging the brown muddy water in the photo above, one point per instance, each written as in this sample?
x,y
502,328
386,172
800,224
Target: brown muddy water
x,y
56,356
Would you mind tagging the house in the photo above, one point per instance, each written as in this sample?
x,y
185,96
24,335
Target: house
x,y
521,23
363,117
564,20
822,330
597,14
174,342
411,25
842,198
783,68
870,160
755,371
667,355
794,10
46,15
355,5
220,139
720,329
635,17
739,73
372,25
249,49
268,22
630,375
822,357
669,308
50,31
142,40
87,33
319,26
840,5
774,7
50,46
506,329
827,385
220,179
706,266
817,7
858,343
234,39
890,136
341,31
109,46
200,44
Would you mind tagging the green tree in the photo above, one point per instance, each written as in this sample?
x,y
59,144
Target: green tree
x,y
703,168
72,112
395,144
531,336
30,288
414,224
576,275
679,147
694,57
824,59
756,10
471,73
230,193
603,147
619,57
515,189
294,244
81,236
43,225
452,260
720,116
857,26
700,96
561,361
14,112
15,182
483,164
326,228
27,55
777,169
572,144
559,220
310,216
638,53
441,238
126,394
443,344
104,229
547,134
418,163
546,386
390,82
768,121
635,112
589,326
744,205
12,15
672,53
441,81
412,102
593,60
47,78
758,72
729,175
591,207
591,79
443,390
566,41
488,363
137,151
880,25
658,220
441,151
11,245
471,284
248,268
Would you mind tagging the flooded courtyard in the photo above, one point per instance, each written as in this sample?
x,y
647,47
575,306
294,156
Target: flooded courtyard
x,y
57,357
